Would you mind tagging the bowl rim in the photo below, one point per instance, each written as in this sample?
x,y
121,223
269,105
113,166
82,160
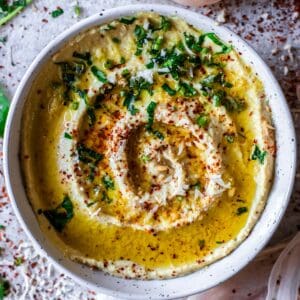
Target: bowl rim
x,y
14,117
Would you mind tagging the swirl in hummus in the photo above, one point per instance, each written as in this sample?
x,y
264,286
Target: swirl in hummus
x,y
147,147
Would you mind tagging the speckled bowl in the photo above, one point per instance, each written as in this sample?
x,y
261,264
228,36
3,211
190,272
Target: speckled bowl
x,y
208,276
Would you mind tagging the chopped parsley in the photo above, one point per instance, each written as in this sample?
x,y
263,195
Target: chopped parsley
x,y
86,56
100,75
122,60
165,23
87,155
108,182
150,110
241,210
18,261
140,84
202,120
212,36
156,45
169,90
229,138
3,39
187,90
150,65
8,11
116,40
70,72
4,108
61,215
109,64
191,42
109,27
2,227
82,94
57,12
74,105
91,116
67,136
77,10
4,288
158,134
258,154
141,36
129,103
145,158
127,21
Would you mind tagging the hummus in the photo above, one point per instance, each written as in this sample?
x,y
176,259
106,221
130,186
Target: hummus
x,y
147,147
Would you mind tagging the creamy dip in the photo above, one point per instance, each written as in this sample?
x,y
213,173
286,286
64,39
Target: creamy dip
x,y
147,147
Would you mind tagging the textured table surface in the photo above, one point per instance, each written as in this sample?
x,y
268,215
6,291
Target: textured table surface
x,y
271,27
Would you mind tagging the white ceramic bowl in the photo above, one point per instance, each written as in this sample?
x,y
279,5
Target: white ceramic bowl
x,y
208,276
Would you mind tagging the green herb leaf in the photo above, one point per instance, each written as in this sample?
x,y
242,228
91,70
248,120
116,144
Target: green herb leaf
x,y
201,244
4,108
158,134
4,288
61,215
145,158
241,210
191,42
91,115
169,90
86,56
18,261
109,27
129,103
150,110
141,35
7,12
87,155
150,65
74,105
2,227
77,10
58,12
3,39
202,120
156,45
258,154
116,40
68,136
187,90
82,94
140,84
100,75
229,138
165,23
122,60
127,21
108,182
70,71
212,36
109,64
